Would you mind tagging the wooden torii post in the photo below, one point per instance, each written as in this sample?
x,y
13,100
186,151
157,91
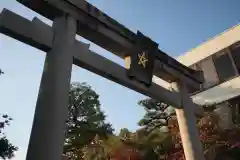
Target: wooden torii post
x,y
70,18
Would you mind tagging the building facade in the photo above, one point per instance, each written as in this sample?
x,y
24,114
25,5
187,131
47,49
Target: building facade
x,y
219,59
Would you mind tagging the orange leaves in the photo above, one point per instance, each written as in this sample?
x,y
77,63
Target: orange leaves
x,y
126,153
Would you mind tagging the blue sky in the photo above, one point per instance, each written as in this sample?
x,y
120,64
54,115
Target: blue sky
x,y
176,25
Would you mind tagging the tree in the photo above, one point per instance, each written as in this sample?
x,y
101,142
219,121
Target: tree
x,y
156,116
7,149
1,72
149,145
85,120
117,147
95,150
217,142
138,145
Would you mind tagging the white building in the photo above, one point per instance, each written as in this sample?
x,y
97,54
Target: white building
x,y
219,59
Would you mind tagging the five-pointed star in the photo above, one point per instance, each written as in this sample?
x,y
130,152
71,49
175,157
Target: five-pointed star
x,y
142,59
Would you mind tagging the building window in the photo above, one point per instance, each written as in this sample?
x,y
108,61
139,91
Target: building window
x,y
235,52
209,72
224,66
235,113
235,106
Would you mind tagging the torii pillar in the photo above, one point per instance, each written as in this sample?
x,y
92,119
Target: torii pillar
x,y
187,124
49,124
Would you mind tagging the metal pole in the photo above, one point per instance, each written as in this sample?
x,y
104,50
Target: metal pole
x,y
49,124
187,125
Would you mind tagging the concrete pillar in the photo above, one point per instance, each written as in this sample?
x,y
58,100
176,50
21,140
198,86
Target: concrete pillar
x,y
48,130
187,125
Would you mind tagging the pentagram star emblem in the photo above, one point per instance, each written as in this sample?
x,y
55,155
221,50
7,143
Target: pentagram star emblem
x,y
142,59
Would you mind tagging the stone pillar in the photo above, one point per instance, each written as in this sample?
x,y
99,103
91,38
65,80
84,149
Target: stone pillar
x,y
49,124
187,125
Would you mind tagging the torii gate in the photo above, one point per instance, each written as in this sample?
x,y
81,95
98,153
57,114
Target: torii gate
x,y
143,58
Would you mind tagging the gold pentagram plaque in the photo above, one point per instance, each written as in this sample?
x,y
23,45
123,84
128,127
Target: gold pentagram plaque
x,y
142,59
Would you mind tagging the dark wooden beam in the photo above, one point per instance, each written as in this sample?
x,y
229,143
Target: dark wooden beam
x,y
37,34
106,32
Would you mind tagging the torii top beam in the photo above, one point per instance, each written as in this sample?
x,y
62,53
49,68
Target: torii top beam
x,y
39,35
106,32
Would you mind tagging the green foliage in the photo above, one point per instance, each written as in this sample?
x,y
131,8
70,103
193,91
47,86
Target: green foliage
x,y
85,120
7,149
102,148
150,142
1,72
157,114
95,150
124,132
129,144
